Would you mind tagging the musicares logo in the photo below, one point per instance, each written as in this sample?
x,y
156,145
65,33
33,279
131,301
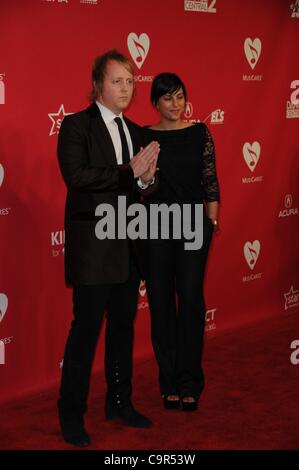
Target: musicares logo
x,y
295,9
142,288
3,305
251,252
138,47
251,154
252,51
1,175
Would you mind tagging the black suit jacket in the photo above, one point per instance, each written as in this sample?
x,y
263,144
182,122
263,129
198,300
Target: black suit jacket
x,y
89,167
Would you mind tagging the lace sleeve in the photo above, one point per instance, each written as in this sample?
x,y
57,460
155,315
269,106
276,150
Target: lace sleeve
x,y
209,175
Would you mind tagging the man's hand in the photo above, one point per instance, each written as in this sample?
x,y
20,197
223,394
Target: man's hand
x,y
147,177
145,161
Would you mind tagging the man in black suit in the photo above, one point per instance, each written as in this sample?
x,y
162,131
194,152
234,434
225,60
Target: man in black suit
x,y
101,157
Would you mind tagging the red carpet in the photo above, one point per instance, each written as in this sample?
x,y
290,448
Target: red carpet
x,y
250,401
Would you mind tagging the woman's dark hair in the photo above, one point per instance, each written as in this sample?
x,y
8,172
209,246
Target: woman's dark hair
x,y
166,83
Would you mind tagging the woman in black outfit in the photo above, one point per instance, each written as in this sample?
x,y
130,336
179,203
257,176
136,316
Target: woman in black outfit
x,y
187,174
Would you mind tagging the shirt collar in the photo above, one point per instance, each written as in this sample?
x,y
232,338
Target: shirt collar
x,y
107,115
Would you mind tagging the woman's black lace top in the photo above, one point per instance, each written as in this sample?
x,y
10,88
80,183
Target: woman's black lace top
x,y
186,162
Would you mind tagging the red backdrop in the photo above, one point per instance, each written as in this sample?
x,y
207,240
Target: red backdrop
x,y
239,61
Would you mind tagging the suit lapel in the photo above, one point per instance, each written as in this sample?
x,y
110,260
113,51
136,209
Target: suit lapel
x,y
103,138
101,135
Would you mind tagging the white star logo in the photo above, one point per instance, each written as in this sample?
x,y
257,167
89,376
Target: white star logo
x,y
291,298
57,119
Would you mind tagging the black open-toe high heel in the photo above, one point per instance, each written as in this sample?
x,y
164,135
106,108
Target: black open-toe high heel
x,y
171,404
189,405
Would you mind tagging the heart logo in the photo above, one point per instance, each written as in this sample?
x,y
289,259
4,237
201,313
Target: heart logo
x,y
138,47
251,252
1,174
252,51
3,305
142,288
251,154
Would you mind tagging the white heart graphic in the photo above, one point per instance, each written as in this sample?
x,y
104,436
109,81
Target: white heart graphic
x,y
1,174
251,252
3,305
251,154
142,289
138,47
252,51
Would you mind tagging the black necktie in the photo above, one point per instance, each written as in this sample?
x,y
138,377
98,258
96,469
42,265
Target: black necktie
x,y
124,143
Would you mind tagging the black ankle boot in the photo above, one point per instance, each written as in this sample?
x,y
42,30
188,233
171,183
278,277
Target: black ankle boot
x,y
73,431
127,415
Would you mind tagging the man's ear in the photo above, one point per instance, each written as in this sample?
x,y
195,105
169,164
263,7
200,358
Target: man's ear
x,y
96,89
